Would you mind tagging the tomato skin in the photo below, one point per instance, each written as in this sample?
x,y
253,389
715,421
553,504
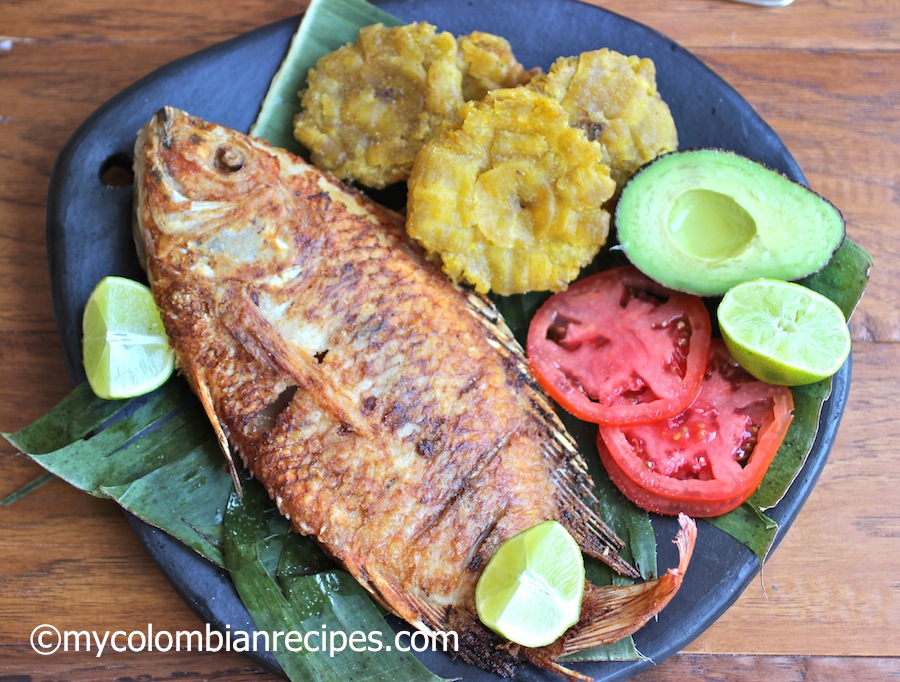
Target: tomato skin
x,y
704,477
618,348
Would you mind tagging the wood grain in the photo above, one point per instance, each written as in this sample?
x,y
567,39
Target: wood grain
x,y
209,667
810,24
823,73
839,557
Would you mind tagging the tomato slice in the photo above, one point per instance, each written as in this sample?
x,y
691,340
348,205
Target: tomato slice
x,y
618,348
710,458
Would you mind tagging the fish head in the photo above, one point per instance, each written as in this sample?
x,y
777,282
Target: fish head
x,y
201,161
208,198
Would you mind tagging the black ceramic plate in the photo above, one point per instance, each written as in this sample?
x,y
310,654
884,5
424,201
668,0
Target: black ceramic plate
x,y
89,236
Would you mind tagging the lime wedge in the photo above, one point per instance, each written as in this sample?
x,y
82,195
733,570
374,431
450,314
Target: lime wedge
x,y
782,332
530,591
125,348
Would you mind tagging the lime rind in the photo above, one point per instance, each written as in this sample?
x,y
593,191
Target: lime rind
x,y
782,332
126,352
530,591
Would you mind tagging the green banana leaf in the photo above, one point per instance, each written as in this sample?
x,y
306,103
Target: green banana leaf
x,y
326,26
843,280
263,559
158,458
156,455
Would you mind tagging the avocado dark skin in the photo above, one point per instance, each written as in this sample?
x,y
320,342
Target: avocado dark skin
x,y
704,220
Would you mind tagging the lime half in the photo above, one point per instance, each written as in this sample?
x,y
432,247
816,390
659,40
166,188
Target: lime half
x,y
530,591
126,350
782,332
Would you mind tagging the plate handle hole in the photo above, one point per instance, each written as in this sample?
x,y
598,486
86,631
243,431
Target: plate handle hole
x,y
116,171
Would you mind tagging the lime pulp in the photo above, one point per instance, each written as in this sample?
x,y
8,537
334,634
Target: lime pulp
x,y
782,332
126,351
530,591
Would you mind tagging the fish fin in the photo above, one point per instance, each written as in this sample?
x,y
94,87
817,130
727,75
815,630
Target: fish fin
x,y
556,668
612,612
574,495
572,483
202,391
475,643
259,337
420,612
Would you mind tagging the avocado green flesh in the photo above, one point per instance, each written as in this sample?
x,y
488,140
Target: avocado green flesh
x,y
710,225
705,220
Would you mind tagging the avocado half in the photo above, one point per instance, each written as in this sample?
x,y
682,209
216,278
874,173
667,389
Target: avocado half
x,y
704,220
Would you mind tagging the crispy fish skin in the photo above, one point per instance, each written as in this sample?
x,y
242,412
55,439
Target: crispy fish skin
x,y
389,414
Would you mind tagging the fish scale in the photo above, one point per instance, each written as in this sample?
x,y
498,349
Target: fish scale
x,y
390,414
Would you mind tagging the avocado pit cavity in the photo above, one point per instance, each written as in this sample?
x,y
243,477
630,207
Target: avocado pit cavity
x,y
705,220
710,225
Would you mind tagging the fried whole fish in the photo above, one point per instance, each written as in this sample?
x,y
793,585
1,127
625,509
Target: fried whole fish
x,y
389,414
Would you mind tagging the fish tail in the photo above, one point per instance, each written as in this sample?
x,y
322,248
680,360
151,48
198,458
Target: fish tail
x,y
558,668
612,612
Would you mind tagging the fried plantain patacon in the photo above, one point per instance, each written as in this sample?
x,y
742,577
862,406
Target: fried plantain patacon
x,y
614,99
488,63
392,417
370,106
511,199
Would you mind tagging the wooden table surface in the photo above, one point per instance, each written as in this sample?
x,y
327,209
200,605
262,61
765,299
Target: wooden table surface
x,y
823,73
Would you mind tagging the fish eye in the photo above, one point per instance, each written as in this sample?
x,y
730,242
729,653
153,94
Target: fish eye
x,y
229,160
